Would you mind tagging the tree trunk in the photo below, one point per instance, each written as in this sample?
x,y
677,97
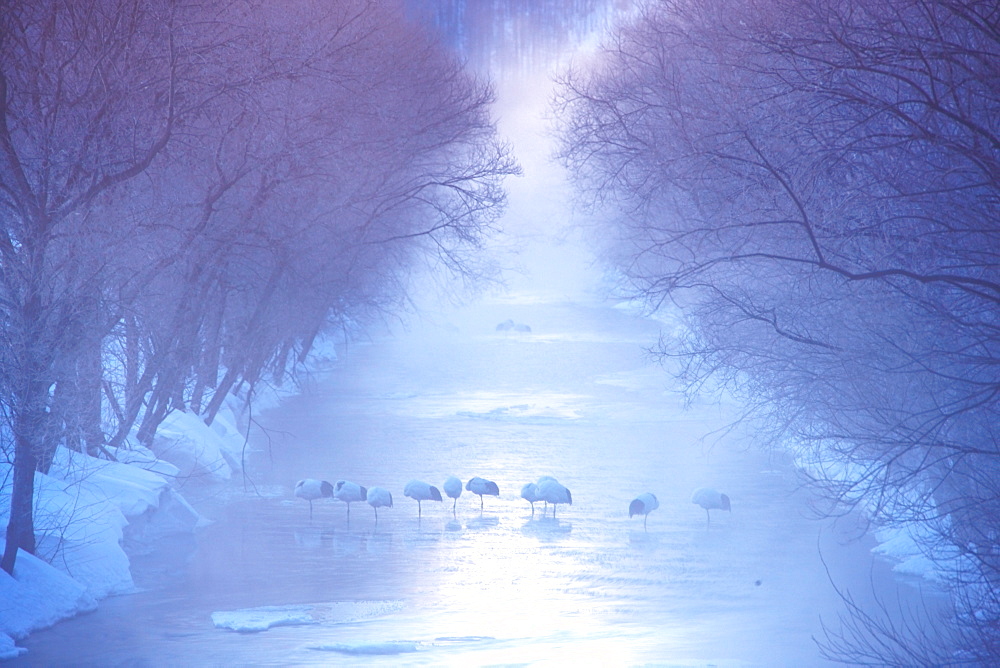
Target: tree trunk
x,y
21,526
156,410
220,394
90,373
29,435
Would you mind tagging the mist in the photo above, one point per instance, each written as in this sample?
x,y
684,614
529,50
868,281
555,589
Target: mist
x,y
373,248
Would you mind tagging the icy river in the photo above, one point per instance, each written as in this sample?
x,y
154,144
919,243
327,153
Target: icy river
x,y
444,394
576,398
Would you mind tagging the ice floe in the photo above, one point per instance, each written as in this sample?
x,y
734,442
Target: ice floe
x,y
254,620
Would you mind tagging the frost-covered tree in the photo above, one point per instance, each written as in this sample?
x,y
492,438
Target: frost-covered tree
x,y
817,185
367,152
90,95
190,191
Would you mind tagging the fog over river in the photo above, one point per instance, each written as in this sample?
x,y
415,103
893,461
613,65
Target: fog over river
x,y
444,392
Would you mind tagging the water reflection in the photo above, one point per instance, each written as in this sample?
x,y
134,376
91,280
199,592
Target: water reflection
x,y
379,542
546,528
313,537
573,398
483,522
643,539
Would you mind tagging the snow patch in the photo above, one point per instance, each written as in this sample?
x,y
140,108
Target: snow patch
x,y
524,413
370,649
520,407
918,552
912,542
78,531
252,620
36,597
132,490
8,650
184,440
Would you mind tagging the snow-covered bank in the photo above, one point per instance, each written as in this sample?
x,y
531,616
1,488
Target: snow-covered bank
x,y
84,507
91,513
37,596
911,545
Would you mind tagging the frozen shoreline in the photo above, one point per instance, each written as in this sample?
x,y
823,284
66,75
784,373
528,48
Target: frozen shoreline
x,y
135,502
88,509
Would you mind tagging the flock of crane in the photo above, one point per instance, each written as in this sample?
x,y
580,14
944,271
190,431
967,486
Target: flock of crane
x,y
546,489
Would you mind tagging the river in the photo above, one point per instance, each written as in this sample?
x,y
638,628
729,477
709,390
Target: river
x,y
445,393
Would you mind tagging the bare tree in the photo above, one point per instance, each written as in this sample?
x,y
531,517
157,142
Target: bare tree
x,y
89,98
338,172
817,185
190,192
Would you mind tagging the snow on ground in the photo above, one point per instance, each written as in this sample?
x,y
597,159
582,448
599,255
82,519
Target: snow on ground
x,y
86,508
37,596
197,450
77,530
906,545
911,543
83,508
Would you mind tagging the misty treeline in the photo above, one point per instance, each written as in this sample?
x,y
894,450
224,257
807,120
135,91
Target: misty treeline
x,y
817,185
192,192
523,30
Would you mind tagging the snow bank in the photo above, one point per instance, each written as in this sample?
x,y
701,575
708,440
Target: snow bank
x,y
912,543
82,509
78,531
917,550
143,458
196,449
132,489
140,488
8,650
37,596
86,507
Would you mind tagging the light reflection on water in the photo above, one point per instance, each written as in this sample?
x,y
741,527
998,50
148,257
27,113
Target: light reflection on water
x,y
576,398
497,585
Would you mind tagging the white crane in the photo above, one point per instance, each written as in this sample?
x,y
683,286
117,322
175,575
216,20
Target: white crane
x,y
378,497
530,494
709,499
421,491
311,489
538,483
453,488
643,505
551,491
349,492
482,486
